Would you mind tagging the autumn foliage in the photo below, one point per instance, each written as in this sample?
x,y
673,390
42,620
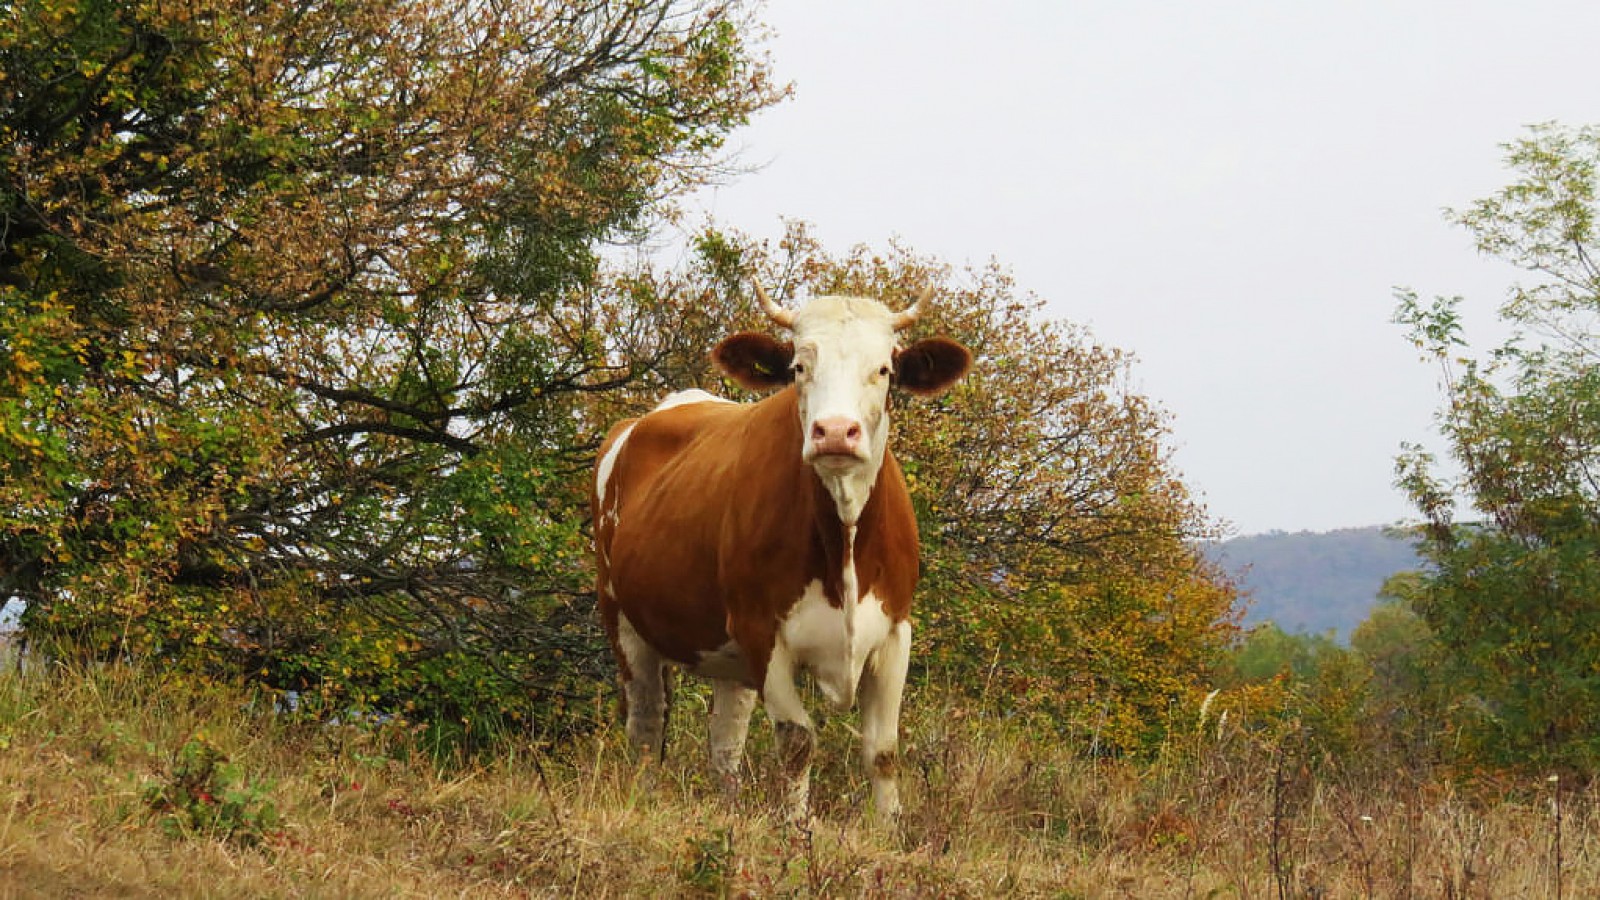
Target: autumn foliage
x,y
306,345
294,314
1061,575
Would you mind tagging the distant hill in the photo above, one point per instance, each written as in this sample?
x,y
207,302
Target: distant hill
x,y
1313,582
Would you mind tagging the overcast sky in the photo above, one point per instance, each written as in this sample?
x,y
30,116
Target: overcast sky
x,y
1228,190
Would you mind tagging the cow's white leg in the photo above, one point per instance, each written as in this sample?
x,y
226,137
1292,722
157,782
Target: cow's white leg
x,y
791,724
646,691
882,684
731,705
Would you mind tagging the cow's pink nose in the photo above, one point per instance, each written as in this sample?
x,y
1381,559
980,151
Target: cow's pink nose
x,y
836,435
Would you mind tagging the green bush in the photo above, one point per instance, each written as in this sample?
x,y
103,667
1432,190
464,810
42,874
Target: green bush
x,y
204,794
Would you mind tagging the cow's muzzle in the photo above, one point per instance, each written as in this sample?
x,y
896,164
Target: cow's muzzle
x,y
838,437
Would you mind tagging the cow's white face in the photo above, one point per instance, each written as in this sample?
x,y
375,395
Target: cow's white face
x,y
843,360
843,363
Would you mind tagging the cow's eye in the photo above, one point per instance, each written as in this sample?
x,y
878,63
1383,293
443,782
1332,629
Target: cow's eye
x,y
883,371
799,368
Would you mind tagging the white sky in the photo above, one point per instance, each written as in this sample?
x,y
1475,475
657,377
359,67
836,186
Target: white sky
x,y
1229,190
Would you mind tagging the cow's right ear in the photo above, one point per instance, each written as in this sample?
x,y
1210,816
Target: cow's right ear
x,y
759,362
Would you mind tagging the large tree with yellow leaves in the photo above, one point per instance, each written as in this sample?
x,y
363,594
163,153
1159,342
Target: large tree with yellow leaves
x,y
296,311
1062,576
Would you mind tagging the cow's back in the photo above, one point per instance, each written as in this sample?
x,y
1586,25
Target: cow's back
x,y
657,502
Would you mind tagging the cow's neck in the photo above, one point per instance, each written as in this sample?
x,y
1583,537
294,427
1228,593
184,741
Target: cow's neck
x,y
851,492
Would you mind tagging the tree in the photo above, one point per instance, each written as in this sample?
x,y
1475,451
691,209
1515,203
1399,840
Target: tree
x,y
297,311
1305,685
1408,694
1061,576
1269,652
1513,593
305,348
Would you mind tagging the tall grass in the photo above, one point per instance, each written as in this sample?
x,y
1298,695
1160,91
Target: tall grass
x,y
97,762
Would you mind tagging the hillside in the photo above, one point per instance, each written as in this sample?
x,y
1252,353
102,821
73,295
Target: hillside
x,y
1314,582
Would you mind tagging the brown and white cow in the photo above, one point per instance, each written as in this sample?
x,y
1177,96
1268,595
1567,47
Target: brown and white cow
x,y
746,542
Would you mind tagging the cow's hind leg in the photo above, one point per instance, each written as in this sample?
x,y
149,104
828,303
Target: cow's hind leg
x,y
731,705
791,725
644,687
882,684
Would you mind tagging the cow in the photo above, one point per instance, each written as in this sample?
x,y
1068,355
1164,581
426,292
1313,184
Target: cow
x,y
746,542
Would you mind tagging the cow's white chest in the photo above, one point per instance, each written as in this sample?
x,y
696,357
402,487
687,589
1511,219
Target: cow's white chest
x,y
834,643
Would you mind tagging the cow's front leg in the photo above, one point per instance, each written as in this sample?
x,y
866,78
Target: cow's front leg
x,y
883,681
791,724
731,704
644,687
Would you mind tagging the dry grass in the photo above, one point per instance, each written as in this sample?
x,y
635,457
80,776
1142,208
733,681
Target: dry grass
x,y
991,810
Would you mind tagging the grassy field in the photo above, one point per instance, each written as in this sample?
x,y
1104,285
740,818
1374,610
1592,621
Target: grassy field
x,y
120,784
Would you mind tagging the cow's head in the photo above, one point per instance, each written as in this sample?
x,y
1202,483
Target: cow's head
x,y
844,358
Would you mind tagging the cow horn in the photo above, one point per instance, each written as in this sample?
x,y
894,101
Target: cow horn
x,y
783,318
913,312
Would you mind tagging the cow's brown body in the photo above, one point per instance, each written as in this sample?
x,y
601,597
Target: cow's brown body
x,y
746,542
712,527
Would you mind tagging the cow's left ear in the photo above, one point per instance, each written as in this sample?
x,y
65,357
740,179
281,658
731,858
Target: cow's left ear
x,y
759,362
930,366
